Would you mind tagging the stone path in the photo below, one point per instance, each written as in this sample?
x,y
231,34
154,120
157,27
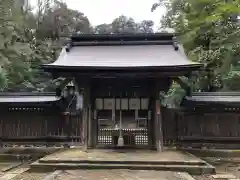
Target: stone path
x,y
224,176
115,155
12,174
121,175
23,174
225,171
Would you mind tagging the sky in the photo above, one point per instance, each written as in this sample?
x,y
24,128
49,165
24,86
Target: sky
x,y
104,11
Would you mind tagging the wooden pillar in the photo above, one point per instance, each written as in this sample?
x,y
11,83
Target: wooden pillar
x,y
91,119
94,124
90,136
86,130
83,87
158,118
158,127
150,122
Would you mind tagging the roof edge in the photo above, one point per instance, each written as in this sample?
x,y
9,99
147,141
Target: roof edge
x,y
124,69
19,94
224,93
123,37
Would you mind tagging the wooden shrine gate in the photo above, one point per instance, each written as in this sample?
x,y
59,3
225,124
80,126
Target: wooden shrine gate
x,y
121,77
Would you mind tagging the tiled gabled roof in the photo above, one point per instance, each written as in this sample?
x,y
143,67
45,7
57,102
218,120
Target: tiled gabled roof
x,y
122,52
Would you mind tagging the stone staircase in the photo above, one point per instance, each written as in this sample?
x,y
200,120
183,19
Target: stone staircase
x,y
194,168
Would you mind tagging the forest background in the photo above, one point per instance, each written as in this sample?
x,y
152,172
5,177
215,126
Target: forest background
x,y
208,29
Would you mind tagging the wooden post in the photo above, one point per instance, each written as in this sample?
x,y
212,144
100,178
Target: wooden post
x,y
94,128
90,126
158,125
86,106
150,122
158,118
84,128
85,86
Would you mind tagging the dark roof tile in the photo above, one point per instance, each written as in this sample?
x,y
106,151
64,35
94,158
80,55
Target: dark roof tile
x,y
123,56
122,52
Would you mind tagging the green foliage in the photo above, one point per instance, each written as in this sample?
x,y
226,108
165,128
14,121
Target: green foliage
x,y
210,33
15,51
59,21
123,24
173,97
29,40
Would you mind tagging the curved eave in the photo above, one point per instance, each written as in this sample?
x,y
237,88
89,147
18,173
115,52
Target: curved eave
x,y
58,68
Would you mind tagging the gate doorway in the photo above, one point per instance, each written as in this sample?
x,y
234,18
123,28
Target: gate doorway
x,y
126,116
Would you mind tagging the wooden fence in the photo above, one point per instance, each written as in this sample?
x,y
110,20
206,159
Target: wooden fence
x,y
38,126
46,126
198,129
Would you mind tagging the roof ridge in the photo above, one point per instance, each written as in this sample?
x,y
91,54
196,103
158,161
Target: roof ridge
x,y
122,37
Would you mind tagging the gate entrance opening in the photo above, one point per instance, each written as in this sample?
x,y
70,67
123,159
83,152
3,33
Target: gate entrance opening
x,y
124,114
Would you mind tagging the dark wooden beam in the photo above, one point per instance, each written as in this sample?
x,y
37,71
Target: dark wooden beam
x,y
122,43
158,118
123,37
84,87
160,84
69,73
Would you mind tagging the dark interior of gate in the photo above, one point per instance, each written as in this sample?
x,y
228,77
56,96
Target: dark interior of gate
x,y
123,109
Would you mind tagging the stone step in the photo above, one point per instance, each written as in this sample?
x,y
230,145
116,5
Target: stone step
x,y
139,162
191,169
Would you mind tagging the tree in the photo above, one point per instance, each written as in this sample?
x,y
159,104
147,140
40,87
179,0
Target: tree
x,y
15,51
210,34
55,23
29,40
103,29
124,24
58,20
145,26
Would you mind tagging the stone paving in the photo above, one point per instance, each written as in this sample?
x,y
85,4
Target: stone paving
x,y
121,175
117,155
223,173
